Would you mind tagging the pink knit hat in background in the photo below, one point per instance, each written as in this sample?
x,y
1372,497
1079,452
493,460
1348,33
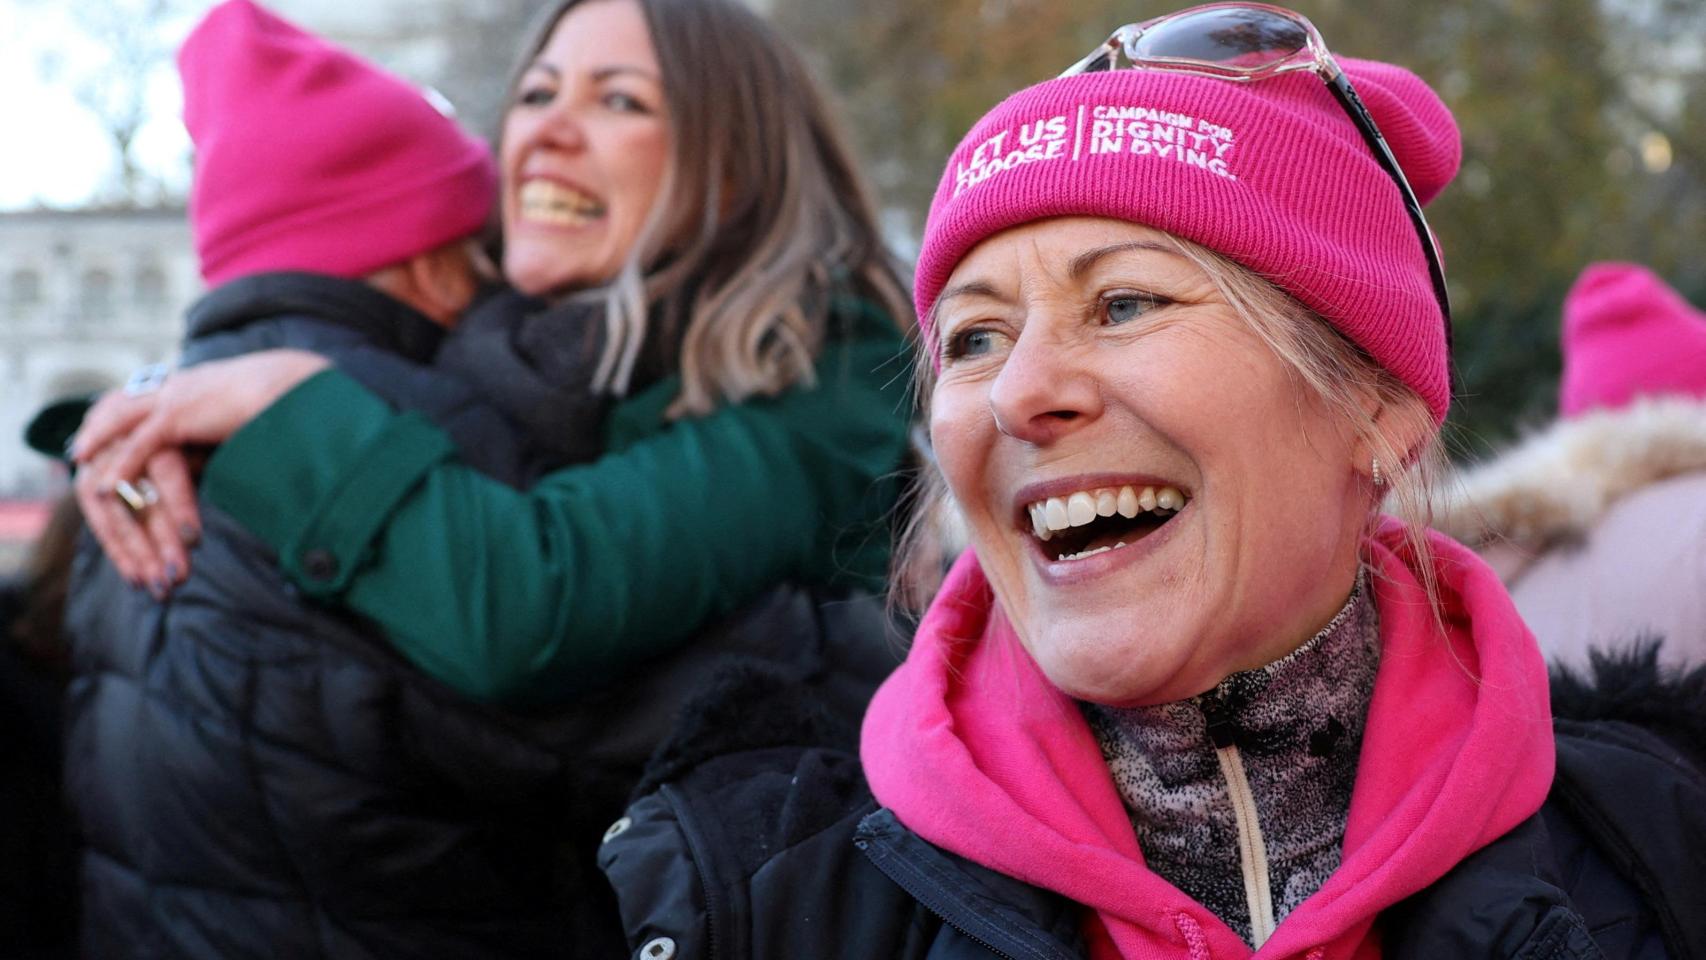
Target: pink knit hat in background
x,y
1628,335
309,158
1271,174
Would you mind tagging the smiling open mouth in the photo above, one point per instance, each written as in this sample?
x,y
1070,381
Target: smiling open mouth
x,y
1095,521
555,203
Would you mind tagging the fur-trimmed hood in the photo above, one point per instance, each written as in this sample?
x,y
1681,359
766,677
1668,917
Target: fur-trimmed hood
x,y
1555,485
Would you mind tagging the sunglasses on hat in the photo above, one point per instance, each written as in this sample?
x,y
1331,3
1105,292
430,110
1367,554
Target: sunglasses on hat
x,y
1246,42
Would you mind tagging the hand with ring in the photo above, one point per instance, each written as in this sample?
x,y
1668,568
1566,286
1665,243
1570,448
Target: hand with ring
x,y
145,524
134,482
138,496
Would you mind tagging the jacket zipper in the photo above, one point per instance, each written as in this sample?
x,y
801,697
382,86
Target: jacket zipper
x,y
1252,849
712,907
927,897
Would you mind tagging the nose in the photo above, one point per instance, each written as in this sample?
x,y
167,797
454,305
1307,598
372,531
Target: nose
x,y
1045,389
561,128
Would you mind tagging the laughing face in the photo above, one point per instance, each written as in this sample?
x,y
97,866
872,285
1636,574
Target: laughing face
x,y
585,147
1156,500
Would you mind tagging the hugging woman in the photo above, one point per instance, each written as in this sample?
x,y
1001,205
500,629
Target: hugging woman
x,y
389,704
1190,694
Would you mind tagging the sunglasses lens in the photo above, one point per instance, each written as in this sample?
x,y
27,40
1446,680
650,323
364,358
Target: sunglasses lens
x,y
1235,37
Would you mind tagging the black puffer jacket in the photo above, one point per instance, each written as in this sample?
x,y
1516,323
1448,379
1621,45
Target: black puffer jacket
x,y
254,776
779,851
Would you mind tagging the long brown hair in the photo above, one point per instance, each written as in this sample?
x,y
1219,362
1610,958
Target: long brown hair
x,y
762,217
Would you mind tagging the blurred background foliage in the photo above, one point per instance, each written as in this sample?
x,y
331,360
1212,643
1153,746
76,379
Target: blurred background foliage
x,y
1584,130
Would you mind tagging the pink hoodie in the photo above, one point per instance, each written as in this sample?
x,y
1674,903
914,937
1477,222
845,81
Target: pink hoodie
x,y
974,750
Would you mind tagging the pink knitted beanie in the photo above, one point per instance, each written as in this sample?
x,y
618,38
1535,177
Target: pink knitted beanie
x,y
1271,174
1628,335
309,158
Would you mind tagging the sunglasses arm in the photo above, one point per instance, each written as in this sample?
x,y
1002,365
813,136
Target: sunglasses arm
x,y
1347,96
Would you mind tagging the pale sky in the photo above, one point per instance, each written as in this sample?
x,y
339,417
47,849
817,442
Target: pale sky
x,y
59,155
54,152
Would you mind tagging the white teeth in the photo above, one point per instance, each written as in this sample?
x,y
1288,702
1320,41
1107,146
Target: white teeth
x,y
548,202
1090,553
1107,502
1128,505
1054,513
1039,522
1080,509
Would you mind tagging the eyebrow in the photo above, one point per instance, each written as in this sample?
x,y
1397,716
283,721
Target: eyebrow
x,y
974,288
1082,263
602,73
605,73
1076,268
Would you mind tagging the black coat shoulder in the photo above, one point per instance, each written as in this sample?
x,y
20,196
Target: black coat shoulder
x,y
782,852
756,835
1631,781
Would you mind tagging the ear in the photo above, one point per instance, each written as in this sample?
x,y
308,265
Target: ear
x,y
1400,429
443,283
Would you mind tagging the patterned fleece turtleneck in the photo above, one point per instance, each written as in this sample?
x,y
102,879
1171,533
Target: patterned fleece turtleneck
x,y
1294,726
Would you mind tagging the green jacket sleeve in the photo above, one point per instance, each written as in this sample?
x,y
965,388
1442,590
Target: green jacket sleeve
x,y
533,596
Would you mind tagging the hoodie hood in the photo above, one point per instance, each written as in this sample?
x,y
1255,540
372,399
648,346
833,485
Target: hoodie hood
x,y
1555,486
974,750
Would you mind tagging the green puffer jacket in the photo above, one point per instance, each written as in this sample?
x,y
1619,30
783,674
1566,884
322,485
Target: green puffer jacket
x,y
531,597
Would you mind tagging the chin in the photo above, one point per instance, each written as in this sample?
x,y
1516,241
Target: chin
x,y
532,278
1082,663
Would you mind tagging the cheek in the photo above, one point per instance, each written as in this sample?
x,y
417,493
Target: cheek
x,y
514,133
641,160
961,430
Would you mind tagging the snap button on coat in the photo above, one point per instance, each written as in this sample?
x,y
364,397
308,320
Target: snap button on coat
x,y
617,829
320,564
662,948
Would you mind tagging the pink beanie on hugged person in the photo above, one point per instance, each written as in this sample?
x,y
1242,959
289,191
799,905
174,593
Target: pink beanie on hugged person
x,y
309,158
1271,174
1628,335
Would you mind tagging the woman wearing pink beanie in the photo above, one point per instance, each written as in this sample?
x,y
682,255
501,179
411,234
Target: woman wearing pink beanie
x,y
1189,694
1597,523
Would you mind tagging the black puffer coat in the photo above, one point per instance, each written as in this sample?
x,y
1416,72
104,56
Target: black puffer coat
x,y
779,851
259,777
254,776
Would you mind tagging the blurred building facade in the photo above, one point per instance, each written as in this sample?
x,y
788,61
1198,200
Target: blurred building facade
x,y
86,296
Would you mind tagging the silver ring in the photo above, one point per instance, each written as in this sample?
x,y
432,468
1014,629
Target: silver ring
x,y
138,496
146,379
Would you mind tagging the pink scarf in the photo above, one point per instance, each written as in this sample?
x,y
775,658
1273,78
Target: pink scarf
x,y
973,749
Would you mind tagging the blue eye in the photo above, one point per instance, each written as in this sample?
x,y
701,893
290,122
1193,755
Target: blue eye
x,y
1125,306
968,343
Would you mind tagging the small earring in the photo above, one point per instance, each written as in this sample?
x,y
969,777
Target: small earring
x,y
1379,480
